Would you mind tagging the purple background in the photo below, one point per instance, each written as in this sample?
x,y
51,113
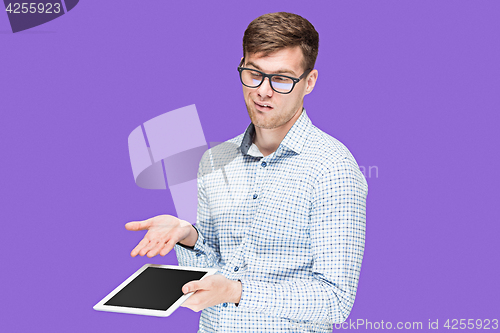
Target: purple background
x,y
411,87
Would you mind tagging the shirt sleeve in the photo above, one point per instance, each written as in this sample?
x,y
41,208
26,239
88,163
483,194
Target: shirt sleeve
x,y
337,236
205,252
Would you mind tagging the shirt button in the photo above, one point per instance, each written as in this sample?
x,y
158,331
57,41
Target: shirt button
x,y
198,254
255,196
204,241
236,268
264,164
224,305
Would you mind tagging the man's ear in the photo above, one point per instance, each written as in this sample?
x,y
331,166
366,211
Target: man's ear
x,y
311,81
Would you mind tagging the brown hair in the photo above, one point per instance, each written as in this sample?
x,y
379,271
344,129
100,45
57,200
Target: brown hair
x,y
275,31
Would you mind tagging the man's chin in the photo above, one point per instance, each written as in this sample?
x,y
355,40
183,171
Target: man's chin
x,y
264,125
257,121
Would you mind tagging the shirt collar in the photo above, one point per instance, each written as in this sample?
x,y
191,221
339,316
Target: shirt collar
x,y
247,139
294,140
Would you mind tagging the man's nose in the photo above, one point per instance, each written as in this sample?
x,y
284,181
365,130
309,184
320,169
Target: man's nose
x,y
265,88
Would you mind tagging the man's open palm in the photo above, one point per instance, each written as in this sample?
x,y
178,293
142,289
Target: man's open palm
x,y
164,231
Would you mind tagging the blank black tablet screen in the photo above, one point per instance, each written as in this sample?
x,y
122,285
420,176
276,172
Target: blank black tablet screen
x,y
155,288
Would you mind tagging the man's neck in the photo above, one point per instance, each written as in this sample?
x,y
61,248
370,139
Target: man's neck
x,y
268,140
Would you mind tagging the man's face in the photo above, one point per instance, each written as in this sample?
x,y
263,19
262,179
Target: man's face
x,y
267,108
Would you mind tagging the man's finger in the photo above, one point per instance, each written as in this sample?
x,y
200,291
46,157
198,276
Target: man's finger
x,y
192,286
156,249
194,302
167,248
139,246
138,225
147,248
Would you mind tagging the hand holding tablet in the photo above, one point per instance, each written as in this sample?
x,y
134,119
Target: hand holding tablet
x,y
211,291
154,290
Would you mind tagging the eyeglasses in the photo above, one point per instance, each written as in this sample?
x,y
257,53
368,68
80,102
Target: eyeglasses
x,y
282,84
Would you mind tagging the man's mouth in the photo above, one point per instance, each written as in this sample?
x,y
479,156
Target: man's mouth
x,y
263,106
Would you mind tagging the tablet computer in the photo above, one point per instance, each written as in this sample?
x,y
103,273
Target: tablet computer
x,y
154,290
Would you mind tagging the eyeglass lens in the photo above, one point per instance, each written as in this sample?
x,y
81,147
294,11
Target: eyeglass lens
x,y
253,79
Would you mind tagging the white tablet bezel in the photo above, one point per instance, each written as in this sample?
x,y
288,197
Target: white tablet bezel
x,y
149,312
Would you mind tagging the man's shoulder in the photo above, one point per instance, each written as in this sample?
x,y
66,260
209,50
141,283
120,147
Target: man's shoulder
x,y
325,147
331,156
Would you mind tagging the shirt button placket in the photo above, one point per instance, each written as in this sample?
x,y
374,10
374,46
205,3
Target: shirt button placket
x,y
260,177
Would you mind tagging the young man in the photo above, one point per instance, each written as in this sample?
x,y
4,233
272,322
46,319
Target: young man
x,y
283,219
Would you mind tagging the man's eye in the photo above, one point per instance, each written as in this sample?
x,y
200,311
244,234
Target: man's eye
x,y
281,79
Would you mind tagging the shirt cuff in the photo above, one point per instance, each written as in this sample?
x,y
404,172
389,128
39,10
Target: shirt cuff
x,y
199,246
251,297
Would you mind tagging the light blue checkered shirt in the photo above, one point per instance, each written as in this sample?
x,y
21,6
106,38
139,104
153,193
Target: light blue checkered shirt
x,y
290,226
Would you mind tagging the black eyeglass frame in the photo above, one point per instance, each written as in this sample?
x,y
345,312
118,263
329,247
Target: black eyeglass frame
x,y
270,76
